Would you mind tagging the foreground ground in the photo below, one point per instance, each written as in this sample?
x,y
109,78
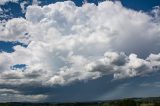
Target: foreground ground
x,y
122,102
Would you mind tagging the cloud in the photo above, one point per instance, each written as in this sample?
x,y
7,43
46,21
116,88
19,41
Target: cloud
x,y
8,91
2,2
14,30
153,84
36,2
18,96
156,13
66,43
21,97
24,6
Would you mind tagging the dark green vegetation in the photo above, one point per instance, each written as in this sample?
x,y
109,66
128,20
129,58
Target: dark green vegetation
x,y
122,102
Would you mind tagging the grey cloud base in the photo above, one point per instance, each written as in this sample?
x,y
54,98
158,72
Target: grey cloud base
x,y
68,44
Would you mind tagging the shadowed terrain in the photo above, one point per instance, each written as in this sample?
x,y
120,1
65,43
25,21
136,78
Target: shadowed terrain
x,y
151,101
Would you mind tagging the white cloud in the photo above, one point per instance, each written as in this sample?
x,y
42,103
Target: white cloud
x,y
68,43
35,2
23,5
156,13
153,84
17,96
15,30
21,98
2,2
4,91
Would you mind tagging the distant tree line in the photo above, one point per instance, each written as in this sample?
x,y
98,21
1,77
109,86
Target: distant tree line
x,y
125,102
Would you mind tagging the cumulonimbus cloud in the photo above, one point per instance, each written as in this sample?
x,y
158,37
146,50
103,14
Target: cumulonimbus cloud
x,y
67,43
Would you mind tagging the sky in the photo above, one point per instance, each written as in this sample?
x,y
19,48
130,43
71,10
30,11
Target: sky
x,y
71,51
